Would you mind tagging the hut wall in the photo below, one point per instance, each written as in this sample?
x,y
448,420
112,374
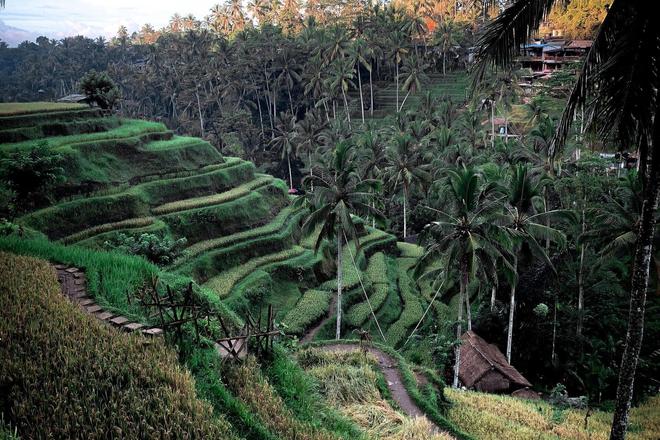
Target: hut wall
x,y
492,382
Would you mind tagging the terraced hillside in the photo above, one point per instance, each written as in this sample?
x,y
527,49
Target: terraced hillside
x,y
243,248
131,177
453,85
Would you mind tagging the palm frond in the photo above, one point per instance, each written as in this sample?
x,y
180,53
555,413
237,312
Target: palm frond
x,y
502,38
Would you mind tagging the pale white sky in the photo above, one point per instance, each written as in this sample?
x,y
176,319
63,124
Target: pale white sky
x,y
92,18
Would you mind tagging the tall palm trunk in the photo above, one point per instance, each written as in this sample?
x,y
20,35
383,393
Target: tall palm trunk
x,y
512,308
444,63
397,87
339,286
493,292
361,97
371,91
288,161
468,310
404,100
580,319
405,215
492,125
639,284
459,318
348,113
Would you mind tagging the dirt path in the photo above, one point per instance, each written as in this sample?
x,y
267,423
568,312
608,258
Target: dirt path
x,y
309,336
388,365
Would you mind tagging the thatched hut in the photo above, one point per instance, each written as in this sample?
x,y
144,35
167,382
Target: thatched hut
x,y
484,368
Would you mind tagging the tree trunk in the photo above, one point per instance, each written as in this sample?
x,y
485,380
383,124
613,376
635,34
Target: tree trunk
x,y
199,110
339,286
444,63
361,97
512,308
554,334
288,89
348,112
493,292
371,91
468,310
639,284
397,87
261,116
492,125
580,294
404,101
405,216
288,161
459,319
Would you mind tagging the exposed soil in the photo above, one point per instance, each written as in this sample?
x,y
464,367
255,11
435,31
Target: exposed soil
x,y
388,366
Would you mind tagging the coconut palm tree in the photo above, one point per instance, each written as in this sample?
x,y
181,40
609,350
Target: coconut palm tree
x,y
618,84
284,140
414,76
445,38
397,53
359,53
341,78
521,221
338,196
465,238
404,170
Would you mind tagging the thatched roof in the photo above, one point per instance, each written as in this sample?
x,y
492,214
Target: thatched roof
x,y
484,367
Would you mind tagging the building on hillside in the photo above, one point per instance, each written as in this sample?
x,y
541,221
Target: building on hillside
x,y
75,98
484,368
545,56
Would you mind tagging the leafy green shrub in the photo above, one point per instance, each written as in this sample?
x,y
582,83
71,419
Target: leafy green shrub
x,y
100,89
310,308
92,381
31,174
158,250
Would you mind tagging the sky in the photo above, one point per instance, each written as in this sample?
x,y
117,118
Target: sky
x,y
27,19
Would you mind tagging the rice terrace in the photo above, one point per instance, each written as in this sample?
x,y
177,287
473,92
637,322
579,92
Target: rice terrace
x,y
322,220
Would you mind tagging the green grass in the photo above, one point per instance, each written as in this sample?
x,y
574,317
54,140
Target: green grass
x,y
409,250
223,283
46,128
215,199
91,381
131,223
22,108
369,244
128,128
250,211
312,306
412,306
237,248
110,276
376,273
299,391
78,219
202,247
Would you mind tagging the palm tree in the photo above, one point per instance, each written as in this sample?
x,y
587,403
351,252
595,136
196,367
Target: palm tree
x,y
619,85
414,73
445,37
465,237
259,10
398,52
342,79
359,53
284,140
521,221
403,169
337,197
